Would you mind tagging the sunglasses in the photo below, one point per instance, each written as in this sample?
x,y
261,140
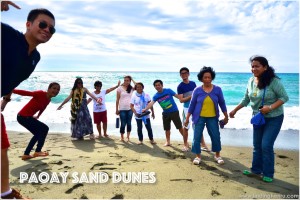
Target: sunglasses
x,y
182,73
43,25
79,83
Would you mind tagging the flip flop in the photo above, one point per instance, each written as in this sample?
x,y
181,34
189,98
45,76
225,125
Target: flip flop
x,y
41,154
185,149
167,145
205,149
267,179
26,157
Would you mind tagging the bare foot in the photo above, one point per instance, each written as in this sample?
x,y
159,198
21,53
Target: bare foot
x,y
41,154
26,157
167,144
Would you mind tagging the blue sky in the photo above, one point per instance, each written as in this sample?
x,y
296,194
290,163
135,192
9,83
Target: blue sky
x,y
164,35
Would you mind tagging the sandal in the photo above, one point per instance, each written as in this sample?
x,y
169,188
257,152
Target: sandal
x,y
26,157
197,161
267,179
219,160
92,136
185,149
41,154
205,149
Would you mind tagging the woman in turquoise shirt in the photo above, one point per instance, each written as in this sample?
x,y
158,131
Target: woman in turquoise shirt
x,y
264,136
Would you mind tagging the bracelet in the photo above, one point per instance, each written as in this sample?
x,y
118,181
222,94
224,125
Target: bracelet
x,y
270,107
7,99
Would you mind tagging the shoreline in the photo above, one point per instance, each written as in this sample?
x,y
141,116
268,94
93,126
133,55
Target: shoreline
x,y
176,176
286,140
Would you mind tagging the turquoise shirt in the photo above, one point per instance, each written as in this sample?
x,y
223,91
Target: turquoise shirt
x,y
274,92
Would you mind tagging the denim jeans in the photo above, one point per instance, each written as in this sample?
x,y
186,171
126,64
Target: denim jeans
x,y
139,123
213,131
125,116
263,141
39,131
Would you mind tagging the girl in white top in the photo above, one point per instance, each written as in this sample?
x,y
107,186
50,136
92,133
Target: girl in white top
x,y
99,109
124,93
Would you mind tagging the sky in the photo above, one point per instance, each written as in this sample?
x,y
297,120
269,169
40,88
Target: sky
x,y
165,35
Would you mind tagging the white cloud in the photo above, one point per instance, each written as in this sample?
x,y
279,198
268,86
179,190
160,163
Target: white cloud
x,y
164,34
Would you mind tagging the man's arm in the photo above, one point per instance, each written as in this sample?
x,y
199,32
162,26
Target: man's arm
x,y
5,5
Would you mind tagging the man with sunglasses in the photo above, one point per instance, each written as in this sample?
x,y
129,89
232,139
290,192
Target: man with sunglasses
x,y
19,58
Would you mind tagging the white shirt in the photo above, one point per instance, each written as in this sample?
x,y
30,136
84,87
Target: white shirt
x,y
136,101
99,107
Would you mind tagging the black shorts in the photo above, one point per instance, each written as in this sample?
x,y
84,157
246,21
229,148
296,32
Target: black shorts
x,y
168,117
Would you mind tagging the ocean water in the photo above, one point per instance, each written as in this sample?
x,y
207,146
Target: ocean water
x,y
232,84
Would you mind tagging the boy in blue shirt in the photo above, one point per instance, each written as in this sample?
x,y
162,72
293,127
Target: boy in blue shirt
x,y
164,97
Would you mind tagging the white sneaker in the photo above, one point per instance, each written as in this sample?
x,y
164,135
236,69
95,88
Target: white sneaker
x,y
197,161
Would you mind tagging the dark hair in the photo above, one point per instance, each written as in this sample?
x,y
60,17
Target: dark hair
x,y
129,88
98,83
205,70
52,84
184,68
75,83
157,81
33,14
267,76
139,83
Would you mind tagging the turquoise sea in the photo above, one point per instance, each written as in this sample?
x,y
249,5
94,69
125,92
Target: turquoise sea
x,y
232,84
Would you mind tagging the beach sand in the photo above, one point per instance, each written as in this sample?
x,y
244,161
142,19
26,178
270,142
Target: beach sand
x,y
175,175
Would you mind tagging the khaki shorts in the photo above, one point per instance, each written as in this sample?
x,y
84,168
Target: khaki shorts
x,y
168,117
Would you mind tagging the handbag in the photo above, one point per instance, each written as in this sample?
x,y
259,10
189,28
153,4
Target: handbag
x,y
259,119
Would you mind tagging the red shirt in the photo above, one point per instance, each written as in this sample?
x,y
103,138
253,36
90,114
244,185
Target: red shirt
x,y
39,102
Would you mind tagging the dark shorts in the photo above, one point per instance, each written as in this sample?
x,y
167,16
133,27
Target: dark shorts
x,y
168,117
100,117
4,138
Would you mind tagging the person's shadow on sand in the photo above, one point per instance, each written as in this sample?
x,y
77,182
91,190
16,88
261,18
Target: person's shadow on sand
x,y
86,145
234,173
35,165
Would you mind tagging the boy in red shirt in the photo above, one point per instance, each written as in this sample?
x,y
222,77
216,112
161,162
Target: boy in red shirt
x,y
26,117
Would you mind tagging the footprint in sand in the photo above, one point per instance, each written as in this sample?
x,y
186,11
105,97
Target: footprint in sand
x,y
69,191
56,162
100,164
118,196
282,156
215,193
182,179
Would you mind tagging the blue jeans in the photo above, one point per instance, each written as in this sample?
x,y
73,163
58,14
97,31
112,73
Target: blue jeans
x,y
139,123
125,116
39,131
213,131
263,141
